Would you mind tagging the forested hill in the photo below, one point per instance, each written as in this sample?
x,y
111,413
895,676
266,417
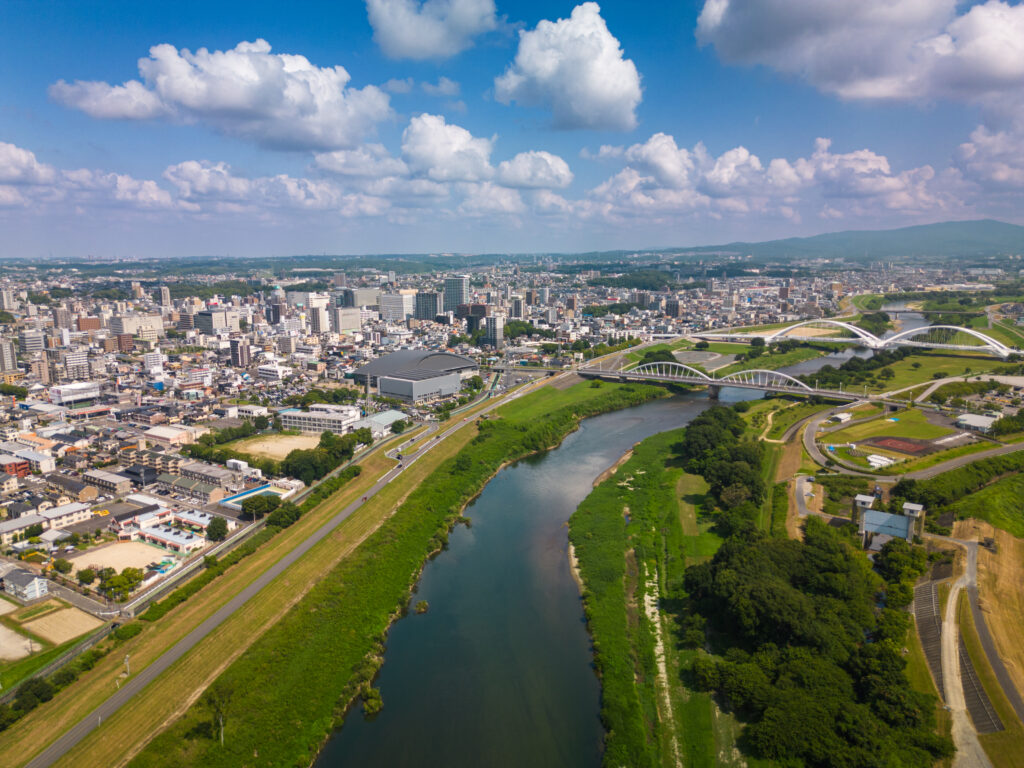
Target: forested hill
x,y
985,237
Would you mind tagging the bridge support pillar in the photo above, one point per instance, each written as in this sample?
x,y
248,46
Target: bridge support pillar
x,y
713,391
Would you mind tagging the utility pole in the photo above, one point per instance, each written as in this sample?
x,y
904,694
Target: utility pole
x,y
127,666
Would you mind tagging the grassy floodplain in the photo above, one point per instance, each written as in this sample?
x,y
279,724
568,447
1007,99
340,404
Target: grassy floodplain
x,y
294,684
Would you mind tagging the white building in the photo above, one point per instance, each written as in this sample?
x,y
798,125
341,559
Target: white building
x,y
69,394
272,372
321,417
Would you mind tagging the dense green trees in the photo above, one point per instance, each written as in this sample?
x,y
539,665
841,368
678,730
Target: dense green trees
x,y
217,529
312,464
804,656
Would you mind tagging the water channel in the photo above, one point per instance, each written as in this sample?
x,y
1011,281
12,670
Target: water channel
x,y
499,671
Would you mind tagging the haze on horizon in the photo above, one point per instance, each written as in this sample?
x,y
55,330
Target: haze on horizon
x,y
475,125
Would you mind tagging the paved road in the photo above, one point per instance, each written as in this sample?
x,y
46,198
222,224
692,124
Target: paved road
x,y
57,749
969,753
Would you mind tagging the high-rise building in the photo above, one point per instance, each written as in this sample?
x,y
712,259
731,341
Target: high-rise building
x,y
76,365
153,362
8,300
545,295
241,355
8,356
30,341
518,308
339,280
214,321
428,305
132,324
41,370
344,319
360,297
531,297
86,323
61,317
494,331
456,291
396,307
165,296
319,322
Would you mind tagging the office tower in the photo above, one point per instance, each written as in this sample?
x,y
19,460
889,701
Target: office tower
x,y
86,323
545,295
165,296
214,321
494,331
518,308
428,305
360,297
345,319
456,292
273,313
153,362
241,356
30,341
319,322
572,302
61,317
8,356
531,297
396,307
339,280
76,365
8,300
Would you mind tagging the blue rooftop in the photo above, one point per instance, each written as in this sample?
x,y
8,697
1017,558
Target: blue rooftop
x,y
896,526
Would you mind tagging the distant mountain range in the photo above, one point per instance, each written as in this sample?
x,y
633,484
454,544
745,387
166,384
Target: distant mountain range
x,y
985,237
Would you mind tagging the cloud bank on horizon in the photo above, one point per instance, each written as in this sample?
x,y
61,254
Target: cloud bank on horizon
x,y
566,143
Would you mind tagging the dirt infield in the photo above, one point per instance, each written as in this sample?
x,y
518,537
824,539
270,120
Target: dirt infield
x,y
12,645
275,446
120,555
61,626
906,445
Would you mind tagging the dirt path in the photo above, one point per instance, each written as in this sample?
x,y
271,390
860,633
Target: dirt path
x,y
665,706
969,753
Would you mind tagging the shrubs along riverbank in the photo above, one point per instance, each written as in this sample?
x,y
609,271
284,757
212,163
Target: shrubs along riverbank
x,y
294,685
799,640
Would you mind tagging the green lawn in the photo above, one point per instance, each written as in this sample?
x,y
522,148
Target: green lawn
x,y
783,420
910,422
773,361
999,504
904,374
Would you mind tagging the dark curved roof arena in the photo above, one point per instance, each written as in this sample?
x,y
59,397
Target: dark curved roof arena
x,y
414,360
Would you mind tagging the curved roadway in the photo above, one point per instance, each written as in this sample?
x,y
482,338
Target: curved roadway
x,y
69,739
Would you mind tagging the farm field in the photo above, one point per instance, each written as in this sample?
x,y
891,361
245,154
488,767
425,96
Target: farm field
x,y
909,423
272,446
119,555
63,625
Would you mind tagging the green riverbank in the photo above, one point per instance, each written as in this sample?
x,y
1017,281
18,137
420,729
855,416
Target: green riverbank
x,y
295,683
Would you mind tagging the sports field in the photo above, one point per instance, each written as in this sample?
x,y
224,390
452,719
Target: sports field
x,y
274,447
910,423
120,555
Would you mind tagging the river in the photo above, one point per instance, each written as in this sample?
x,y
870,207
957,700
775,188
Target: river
x,y
498,672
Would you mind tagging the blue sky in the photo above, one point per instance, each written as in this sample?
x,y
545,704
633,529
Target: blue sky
x,y
482,125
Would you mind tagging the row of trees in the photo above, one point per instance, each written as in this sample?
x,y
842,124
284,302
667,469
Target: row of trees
x,y
311,464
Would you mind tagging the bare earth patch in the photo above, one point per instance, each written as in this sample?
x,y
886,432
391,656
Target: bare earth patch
x,y
7,607
119,555
12,645
276,447
63,625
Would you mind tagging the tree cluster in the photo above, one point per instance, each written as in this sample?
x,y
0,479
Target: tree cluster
x,y
806,658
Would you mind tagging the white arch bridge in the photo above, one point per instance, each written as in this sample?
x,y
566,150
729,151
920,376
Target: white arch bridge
x,y
909,338
677,373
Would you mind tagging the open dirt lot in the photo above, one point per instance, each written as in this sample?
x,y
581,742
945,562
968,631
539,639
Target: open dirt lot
x,y
12,645
119,555
6,607
1002,603
275,446
63,625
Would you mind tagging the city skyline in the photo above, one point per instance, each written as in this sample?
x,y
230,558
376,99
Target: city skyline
x,y
398,126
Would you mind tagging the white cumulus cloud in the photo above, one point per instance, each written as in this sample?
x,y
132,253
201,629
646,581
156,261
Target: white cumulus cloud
x,y
276,100
20,166
434,29
575,68
369,160
536,169
445,152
